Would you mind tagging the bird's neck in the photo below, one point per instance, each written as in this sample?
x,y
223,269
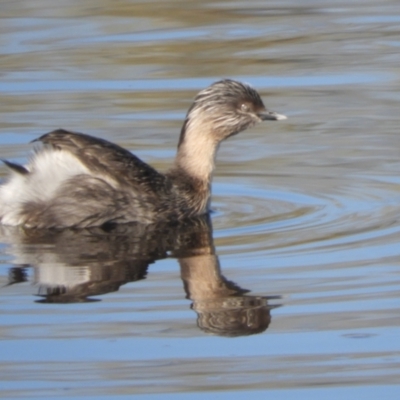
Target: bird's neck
x,y
193,168
196,153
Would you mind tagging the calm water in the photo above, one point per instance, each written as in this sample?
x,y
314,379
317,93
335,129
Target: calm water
x,y
293,291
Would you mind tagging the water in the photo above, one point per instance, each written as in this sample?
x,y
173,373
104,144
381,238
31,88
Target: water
x,y
306,211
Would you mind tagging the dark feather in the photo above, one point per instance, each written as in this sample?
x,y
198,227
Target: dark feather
x,y
16,167
106,158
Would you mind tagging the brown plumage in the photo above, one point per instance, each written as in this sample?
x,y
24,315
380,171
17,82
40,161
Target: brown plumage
x,y
76,180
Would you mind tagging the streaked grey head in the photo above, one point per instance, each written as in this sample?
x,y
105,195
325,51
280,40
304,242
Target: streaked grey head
x,y
227,107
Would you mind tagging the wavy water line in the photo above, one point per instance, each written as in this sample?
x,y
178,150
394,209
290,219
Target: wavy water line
x,y
295,222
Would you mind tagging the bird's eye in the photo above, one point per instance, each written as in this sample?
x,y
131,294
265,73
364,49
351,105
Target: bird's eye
x,y
244,107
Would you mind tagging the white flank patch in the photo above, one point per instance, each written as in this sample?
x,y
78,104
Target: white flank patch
x,y
48,169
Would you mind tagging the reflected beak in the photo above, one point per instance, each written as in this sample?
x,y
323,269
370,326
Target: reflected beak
x,y
271,116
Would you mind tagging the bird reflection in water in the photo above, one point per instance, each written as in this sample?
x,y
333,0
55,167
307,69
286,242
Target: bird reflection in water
x,y
71,266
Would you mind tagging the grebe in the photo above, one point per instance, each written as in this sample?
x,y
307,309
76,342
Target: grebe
x,y
76,180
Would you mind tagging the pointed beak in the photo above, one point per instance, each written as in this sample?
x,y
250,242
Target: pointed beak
x,y
271,116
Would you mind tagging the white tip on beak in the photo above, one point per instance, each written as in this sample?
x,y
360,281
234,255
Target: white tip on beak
x,y
280,117
271,116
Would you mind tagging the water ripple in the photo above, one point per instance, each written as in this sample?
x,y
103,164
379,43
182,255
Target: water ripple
x,y
258,219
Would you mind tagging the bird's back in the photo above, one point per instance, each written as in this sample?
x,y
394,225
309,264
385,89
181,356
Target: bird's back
x,y
78,180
